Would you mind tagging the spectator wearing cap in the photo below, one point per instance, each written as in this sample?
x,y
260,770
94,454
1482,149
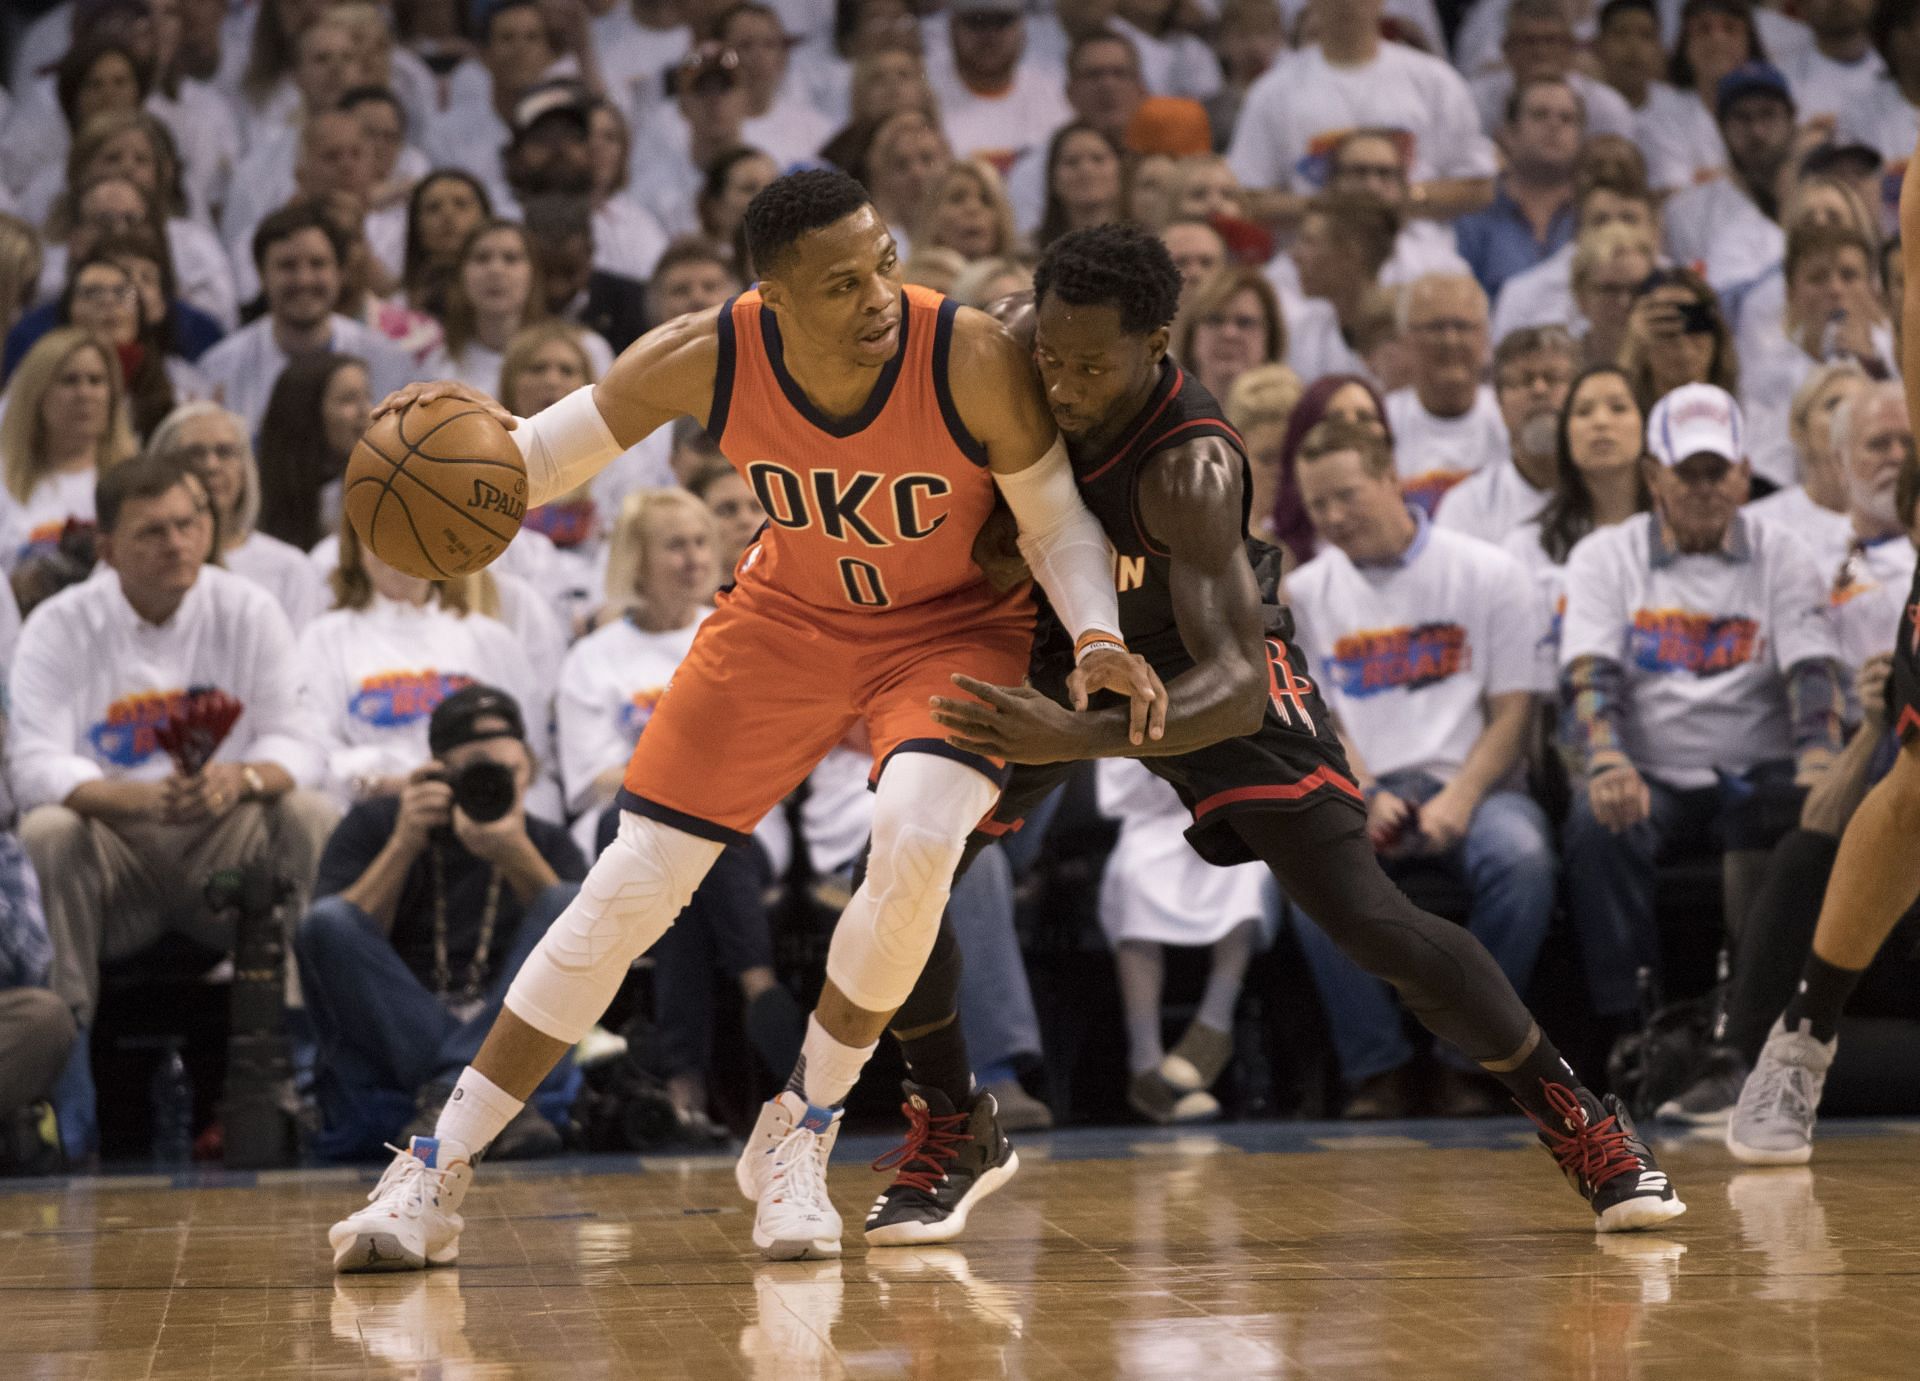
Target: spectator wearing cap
x,y
1354,78
1731,225
708,110
1532,369
1447,421
123,839
518,51
1699,685
1841,65
299,253
780,119
1425,646
1540,43
430,898
997,101
1532,214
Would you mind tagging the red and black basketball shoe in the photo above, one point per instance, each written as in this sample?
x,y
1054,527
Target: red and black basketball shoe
x,y
949,1162
1607,1161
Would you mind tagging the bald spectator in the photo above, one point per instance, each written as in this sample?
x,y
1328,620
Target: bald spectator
x,y
333,164
1532,213
1446,424
1532,371
1540,45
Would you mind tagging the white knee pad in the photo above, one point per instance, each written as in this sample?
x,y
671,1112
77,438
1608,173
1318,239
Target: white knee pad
x,y
924,810
629,898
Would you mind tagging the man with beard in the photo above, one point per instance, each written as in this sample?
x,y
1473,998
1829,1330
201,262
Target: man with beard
x,y
561,225
1731,226
1532,211
1532,370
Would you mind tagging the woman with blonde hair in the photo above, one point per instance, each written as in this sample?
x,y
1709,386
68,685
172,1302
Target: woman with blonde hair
x,y
65,423
967,211
899,162
1609,264
1259,405
661,573
1231,324
19,269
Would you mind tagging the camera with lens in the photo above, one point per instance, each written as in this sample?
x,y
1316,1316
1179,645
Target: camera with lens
x,y
485,790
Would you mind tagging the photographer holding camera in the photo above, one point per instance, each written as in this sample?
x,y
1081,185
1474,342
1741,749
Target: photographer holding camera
x,y
429,902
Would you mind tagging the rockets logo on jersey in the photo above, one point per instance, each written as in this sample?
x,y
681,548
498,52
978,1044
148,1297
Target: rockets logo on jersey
x,y
389,699
1667,640
865,508
1385,659
126,737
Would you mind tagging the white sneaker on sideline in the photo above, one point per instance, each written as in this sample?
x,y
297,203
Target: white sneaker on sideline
x,y
412,1220
783,1169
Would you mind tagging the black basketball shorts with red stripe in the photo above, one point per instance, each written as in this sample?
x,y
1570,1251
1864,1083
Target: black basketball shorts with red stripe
x,y
1903,688
1293,762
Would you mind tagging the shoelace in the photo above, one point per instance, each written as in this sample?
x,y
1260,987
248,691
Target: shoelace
x,y
407,1177
1784,1087
931,1142
1595,1152
797,1171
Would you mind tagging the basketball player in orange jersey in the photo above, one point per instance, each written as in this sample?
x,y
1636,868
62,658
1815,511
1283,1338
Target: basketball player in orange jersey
x,y
876,424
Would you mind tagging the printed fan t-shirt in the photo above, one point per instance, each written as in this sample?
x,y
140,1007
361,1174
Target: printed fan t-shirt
x,y
1436,453
1705,641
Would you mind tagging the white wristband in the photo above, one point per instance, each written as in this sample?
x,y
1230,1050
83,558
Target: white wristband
x,y
564,446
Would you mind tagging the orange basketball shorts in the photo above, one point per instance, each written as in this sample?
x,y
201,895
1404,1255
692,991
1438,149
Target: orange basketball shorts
x,y
771,684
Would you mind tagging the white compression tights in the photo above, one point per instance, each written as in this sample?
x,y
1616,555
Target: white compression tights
x,y
630,896
924,809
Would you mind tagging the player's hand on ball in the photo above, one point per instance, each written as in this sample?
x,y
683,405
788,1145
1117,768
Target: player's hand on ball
x,y
1126,674
1012,723
403,398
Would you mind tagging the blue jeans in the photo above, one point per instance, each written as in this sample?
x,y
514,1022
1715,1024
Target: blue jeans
x,y
383,1036
1507,862
1611,877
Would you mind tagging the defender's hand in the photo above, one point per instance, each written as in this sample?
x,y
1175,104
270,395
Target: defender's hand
x,y
1012,723
1129,675
403,398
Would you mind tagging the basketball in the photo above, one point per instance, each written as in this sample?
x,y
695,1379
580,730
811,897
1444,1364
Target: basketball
x,y
436,490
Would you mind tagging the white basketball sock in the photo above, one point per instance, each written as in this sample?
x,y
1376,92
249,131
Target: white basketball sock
x,y
477,1112
828,1069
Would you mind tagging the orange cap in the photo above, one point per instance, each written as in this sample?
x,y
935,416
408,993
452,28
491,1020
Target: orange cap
x,y
1171,125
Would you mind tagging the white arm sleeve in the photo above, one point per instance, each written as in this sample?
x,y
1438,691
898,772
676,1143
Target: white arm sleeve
x,y
564,446
1064,545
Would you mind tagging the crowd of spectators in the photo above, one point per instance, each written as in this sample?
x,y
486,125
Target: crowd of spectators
x,y
1563,335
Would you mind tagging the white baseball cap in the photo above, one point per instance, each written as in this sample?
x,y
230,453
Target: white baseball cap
x,y
1696,419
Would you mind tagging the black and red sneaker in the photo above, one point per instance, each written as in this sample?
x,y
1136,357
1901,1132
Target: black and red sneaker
x,y
1607,1161
949,1162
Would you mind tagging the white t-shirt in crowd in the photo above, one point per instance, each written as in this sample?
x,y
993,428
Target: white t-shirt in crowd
x,y
1436,453
609,685
1679,137
1002,128
1550,584
1827,535
1772,368
1823,87
1491,502
1422,247
1155,888
284,572
791,131
1296,112
1884,120
1539,296
1868,596
1408,654
33,528
634,60
1716,228
1315,344
92,680
478,364
1705,642
244,367
627,238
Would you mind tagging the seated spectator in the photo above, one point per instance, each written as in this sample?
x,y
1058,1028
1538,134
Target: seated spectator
x,y
906,157
1259,405
1677,335
627,238
300,254
1531,372
779,117
212,443
1104,89
1832,312
1155,892
19,270
1609,265
1425,643
661,576
1250,38
446,207
998,99
1699,685
1344,242
737,514
1815,508
1543,294
1197,250
705,119
1231,325
966,211
391,647
1336,397
1540,45
1730,225
394,169
329,162
732,180
36,1029
1085,180
880,84
1597,482
602,306
497,288
102,299
985,281
1532,213
319,407
122,839
692,276
1684,147
1759,309
1373,163
422,917
1447,422
65,427
96,76
1870,579
1204,188
1150,190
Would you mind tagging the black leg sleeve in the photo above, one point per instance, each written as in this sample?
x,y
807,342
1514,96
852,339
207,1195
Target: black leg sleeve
x,y
1777,936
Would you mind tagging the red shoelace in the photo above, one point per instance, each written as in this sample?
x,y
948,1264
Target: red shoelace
x,y
931,1143
1595,1152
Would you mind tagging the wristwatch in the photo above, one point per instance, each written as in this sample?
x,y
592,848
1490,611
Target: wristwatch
x,y
256,785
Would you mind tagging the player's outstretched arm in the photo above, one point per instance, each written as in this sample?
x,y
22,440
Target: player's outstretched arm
x,y
665,374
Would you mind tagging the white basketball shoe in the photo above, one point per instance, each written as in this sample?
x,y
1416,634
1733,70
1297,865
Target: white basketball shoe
x,y
783,1169
412,1218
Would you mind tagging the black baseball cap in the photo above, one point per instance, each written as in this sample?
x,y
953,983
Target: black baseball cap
x,y
457,719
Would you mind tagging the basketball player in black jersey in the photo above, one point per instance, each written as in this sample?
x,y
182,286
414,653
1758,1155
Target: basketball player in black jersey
x,y
1249,746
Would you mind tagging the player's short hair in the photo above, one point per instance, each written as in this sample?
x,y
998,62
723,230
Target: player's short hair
x,y
794,206
1113,265
1337,434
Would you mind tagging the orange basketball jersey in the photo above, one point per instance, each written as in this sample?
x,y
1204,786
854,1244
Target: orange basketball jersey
x,y
869,513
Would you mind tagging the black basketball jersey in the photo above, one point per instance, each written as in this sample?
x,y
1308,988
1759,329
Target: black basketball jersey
x,y
1179,410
